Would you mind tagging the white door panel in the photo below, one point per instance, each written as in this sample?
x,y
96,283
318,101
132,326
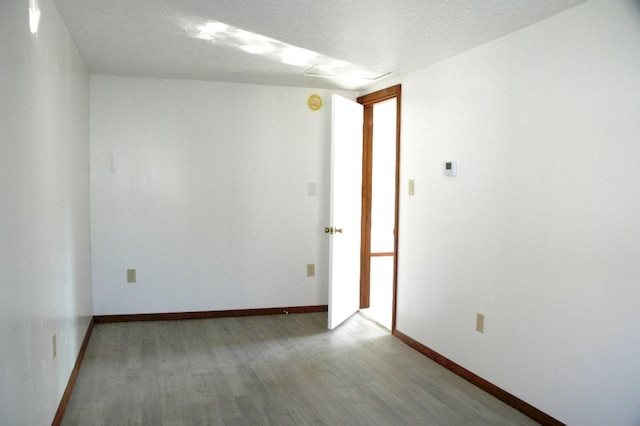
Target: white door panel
x,y
345,209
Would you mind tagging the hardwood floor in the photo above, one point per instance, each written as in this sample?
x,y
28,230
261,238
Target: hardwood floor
x,y
269,370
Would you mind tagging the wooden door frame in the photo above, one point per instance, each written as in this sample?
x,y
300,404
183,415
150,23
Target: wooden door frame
x,y
368,102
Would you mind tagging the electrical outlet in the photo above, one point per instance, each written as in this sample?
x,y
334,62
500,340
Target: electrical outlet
x,y
311,270
131,275
54,348
480,323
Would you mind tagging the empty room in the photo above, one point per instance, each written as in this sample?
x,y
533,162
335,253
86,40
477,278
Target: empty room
x,y
192,229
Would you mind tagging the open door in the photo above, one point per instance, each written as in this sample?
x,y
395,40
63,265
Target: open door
x,y
345,209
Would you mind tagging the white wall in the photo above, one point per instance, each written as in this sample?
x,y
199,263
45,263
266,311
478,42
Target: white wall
x,y
540,230
202,187
45,261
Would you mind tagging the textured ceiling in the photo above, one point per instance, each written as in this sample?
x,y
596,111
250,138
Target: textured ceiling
x,y
155,38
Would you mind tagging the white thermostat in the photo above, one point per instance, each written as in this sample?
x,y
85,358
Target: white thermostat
x,y
450,168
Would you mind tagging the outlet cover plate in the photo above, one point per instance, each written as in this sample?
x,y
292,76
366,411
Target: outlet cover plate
x,y
480,323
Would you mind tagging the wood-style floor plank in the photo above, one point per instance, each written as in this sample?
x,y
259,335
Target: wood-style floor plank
x,y
269,370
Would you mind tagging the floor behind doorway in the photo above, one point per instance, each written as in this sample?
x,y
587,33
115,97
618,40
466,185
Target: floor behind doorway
x,y
269,370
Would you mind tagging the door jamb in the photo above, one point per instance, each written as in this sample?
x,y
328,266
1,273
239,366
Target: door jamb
x,y
365,248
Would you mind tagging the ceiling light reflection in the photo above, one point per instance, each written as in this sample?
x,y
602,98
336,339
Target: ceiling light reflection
x,y
297,56
314,64
247,36
213,28
257,49
34,16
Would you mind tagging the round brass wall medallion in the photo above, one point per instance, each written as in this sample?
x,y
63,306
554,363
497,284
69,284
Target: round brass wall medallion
x,y
314,102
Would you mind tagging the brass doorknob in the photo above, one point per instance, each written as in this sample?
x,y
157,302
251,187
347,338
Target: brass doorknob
x,y
331,230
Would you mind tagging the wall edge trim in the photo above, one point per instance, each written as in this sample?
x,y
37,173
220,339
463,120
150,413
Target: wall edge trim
x,y
66,396
478,381
100,319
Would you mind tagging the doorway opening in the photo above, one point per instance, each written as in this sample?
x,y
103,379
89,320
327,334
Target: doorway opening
x,y
380,192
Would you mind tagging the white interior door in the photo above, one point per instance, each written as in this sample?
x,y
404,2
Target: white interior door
x,y
345,209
